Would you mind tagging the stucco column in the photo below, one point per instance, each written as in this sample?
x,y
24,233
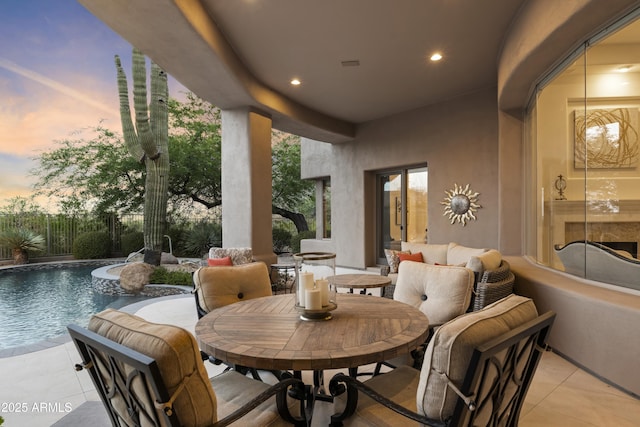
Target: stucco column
x,y
246,182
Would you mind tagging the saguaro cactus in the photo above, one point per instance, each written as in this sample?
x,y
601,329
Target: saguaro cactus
x,y
147,142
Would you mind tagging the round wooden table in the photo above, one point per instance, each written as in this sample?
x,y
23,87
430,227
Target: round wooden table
x,y
267,333
360,281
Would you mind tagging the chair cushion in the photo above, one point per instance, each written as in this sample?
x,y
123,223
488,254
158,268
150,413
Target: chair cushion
x,y
489,260
238,255
431,253
393,259
441,292
177,355
460,255
449,351
220,286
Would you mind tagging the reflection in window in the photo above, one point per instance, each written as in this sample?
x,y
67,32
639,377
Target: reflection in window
x,y
586,129
326,208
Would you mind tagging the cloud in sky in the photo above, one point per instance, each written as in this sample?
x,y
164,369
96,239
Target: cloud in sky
x,y
57,86
57,76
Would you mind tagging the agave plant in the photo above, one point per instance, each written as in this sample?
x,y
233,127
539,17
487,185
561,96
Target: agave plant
x,y
21,242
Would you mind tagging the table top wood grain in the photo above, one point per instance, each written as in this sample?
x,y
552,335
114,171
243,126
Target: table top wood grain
x,y
359,281
267,333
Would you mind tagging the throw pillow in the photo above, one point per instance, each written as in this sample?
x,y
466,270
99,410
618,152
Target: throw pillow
x,y
458,254
238,255
393,259
489,260
417,257
431,253
216,262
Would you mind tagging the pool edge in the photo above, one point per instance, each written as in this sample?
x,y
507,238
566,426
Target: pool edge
x,y
65,338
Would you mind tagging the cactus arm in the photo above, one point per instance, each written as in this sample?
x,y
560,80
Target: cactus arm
x,y
128,130
145,135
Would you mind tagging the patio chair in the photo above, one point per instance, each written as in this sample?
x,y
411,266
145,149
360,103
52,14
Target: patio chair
x,y
440,292
223,285
219,286
152,375
476,372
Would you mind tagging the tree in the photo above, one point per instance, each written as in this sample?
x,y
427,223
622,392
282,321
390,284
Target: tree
x,y
196,158
19,206
98,174
91,175
290,193
148,142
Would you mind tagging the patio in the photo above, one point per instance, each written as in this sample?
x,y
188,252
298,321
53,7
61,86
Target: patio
x,y
45,383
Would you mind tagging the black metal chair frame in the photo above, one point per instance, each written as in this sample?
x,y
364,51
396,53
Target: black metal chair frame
x,y
524,344
116,380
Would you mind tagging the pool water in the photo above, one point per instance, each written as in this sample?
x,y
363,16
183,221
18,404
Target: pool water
x,y
37,305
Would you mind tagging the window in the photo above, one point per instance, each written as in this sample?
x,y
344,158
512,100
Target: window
x,y
583,156
402,208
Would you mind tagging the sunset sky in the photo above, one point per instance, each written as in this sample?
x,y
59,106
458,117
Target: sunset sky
x,y
57,77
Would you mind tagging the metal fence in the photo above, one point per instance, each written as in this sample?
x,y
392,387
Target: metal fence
x,y
60,230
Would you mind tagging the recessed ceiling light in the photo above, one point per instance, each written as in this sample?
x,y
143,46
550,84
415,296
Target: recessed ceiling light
x,y
295,82
436,57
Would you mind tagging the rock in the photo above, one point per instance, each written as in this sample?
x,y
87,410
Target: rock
x,y
135,276
167,258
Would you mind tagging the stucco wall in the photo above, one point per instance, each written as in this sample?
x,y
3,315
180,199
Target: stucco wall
x,y
596,326
458,140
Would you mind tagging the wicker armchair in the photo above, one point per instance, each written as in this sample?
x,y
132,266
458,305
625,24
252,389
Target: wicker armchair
x,y
492,286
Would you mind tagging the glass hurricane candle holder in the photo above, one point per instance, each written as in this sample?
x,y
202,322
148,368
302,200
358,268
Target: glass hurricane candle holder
x,y
315,296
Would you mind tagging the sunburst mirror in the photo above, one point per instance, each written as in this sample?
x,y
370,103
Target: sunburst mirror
x,y
461,204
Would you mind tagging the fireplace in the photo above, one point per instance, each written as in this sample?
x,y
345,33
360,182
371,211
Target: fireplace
x,y
631,247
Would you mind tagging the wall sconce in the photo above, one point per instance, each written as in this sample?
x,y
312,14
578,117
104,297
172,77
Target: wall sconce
x,y
561,185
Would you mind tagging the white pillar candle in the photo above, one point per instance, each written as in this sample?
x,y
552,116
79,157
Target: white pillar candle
x,y
312,299
323,285
306,282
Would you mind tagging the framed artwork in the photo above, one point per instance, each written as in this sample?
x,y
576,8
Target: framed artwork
x,y
606,138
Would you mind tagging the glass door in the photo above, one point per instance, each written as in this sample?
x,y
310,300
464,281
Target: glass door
x,y
402,208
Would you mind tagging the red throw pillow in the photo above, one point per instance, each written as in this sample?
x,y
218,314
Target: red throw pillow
x,y
411,257
216,262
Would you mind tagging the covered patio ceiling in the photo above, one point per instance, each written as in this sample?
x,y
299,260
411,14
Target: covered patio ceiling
x,y
357,60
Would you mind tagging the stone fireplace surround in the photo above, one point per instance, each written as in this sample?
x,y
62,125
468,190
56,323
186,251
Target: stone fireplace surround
x,y
607,221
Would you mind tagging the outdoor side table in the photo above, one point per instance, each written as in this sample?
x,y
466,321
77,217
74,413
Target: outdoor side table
x,y
360,281
283,276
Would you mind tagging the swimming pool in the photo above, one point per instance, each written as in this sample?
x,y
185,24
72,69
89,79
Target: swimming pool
x,y
38,304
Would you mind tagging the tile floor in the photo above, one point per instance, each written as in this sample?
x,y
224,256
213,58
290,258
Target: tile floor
x,y
38,389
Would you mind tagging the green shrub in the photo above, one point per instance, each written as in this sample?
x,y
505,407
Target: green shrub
x,y
203,236
131,242
162,276
295,240
92,245
21,242
281,240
